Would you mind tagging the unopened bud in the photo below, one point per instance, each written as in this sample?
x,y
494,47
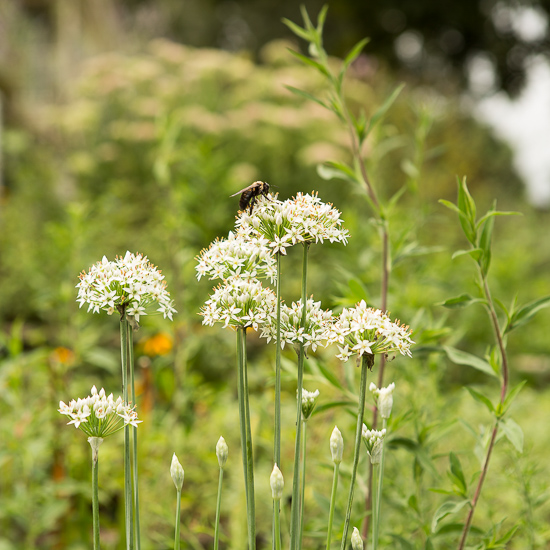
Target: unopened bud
x,y
336,446
222,451
277,483
384,399
356,540
176,471
309,400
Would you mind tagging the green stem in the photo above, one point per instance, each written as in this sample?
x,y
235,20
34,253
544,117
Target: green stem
x,y
246,437
178,514
302,496
218,509
332,502
127,470
277,435
134,437
366,363
376,507
277,524
294,512
95,442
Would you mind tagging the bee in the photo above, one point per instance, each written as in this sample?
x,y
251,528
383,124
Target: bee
x,y
249,194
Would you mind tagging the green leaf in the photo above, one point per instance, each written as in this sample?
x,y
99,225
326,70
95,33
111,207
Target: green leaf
x,y
429,545
451,205
333,169
492,213
475,253
311,62
321,18
526,313
383,109
457,473
405,544
355,51
297,30
309,96
330,377
480,398
513,432
467,206
446,509
332,405
463,358
502,541
464,300
485,242
512,395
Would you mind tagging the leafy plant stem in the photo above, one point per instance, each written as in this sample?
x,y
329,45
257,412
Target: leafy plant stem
x,y
246,437
218,509
294,513
178,513
366,363
332,502
134,437
503,391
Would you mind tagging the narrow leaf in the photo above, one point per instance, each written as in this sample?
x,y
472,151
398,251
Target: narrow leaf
x,y
456,470
297,30
475,253
464,300
492,213
321,19
355,51
512,395
446,509
485,242
309,96
463,358
526,313
480,398
308,61
336,169
467,206
513,433
383,109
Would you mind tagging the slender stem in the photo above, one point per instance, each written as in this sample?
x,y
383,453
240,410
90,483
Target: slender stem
x,y
295,507
366,363
332,502
376,509
95,442
246,437
277,524
302,496
218,509
134,437
375,518
277,434
503,392
128,510
178,514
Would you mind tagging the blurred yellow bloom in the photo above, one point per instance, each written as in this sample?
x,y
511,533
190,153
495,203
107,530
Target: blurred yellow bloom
x,y
159,344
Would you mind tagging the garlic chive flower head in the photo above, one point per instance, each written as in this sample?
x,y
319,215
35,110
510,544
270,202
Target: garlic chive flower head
x,y
177,473
99,415
277,483
356,540
222,451
303,219
373,440
309,400
237,255
365,330
383,398
318,322
129,283
239,303
336,446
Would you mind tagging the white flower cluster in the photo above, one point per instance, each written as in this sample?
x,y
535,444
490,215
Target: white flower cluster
x,y
318,323
239,303
304,219
131,282
99,415
309,400
237,255
373,440
363,329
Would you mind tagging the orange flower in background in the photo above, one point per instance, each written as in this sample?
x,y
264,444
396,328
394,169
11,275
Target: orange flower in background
x,y
62,355
159,344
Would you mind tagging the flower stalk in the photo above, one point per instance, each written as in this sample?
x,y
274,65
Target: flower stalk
x,y
177,473
337,450
221,453
95,442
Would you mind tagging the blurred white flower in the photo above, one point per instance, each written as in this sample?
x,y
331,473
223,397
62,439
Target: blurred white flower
x,y
98,415
365,330
129,283
237,255
239,303
373,440
384,399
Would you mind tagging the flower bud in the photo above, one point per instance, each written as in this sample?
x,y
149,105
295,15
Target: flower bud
x,y
277,483
374,441
176,471
384,399
356,540
222,451
336,446
309,400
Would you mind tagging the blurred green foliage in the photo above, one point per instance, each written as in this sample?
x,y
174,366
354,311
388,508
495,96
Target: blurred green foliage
x,y
143,156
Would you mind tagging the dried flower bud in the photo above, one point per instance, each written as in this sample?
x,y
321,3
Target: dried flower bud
x,y
222,451
356,540
277,483
336,446
176,471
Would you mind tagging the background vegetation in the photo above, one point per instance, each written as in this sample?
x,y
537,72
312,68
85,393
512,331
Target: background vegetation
x,y
139,148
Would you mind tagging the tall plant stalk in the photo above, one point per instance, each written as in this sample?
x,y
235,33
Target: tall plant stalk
x,y
277,434
95,442
246,437
295,509
366,363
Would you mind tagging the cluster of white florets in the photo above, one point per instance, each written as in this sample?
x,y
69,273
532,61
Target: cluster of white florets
x,y
364,330
99,415
373,440
130,283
